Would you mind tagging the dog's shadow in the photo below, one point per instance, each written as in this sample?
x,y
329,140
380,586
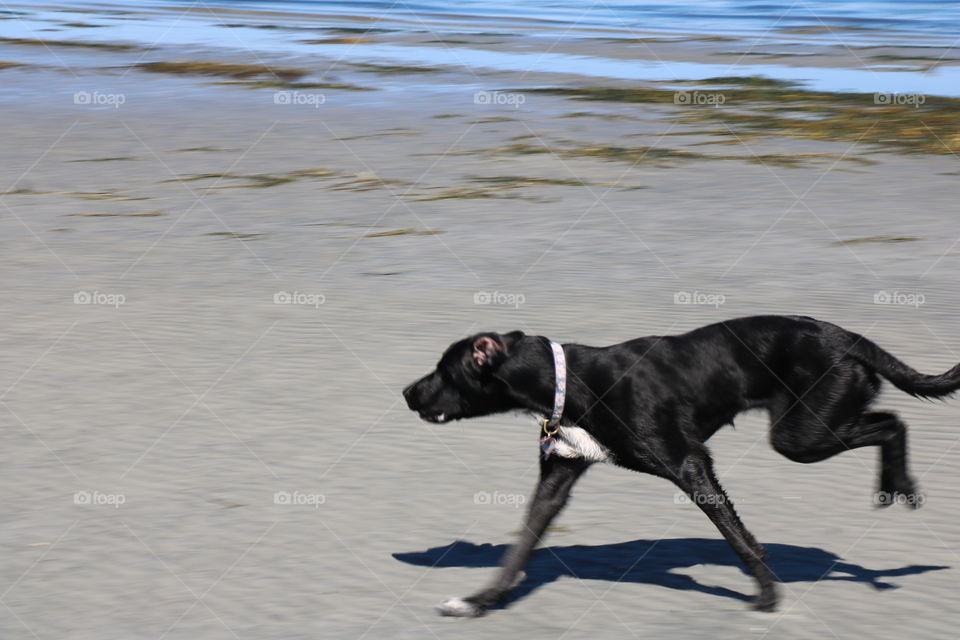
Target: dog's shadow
x,y
653,562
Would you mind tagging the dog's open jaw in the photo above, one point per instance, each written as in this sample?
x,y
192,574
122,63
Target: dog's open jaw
x,y
441,417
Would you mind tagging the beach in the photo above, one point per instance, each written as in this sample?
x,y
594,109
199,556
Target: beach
x,y
226,249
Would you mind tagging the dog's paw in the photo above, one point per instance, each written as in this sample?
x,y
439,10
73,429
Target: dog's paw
x,y
460,608
764,605
766,601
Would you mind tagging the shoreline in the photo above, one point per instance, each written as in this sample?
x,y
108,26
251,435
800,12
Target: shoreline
x,y
825,63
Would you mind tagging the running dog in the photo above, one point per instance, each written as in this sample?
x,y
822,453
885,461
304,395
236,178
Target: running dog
x,y
651,403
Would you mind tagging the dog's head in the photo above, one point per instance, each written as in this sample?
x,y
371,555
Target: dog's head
x,y
470,380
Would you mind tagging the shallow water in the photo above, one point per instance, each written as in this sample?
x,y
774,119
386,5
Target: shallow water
x,y
913,24
940,81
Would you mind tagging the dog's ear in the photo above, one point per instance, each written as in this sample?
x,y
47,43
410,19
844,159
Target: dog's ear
x,y
487,349
490,349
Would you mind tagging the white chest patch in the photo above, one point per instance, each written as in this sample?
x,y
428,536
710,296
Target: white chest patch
x,y
574,442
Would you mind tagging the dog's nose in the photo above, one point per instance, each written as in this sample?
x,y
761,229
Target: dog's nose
x,y
408,395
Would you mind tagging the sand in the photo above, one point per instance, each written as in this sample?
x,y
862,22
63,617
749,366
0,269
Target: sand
x,y
187,455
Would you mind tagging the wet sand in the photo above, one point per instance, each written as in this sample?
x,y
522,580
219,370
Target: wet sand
x,y
188,455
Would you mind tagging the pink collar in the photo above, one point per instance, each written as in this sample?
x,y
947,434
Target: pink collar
x,y
560,389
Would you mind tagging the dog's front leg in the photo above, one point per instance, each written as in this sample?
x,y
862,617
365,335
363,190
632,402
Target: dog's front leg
x,y
557,477
697,479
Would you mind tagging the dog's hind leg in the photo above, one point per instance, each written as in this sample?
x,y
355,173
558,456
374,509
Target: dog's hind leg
x,y
698,481
557,477
895,479
803,436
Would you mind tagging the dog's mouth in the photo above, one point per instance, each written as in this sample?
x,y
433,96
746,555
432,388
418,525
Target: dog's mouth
x,y
436,418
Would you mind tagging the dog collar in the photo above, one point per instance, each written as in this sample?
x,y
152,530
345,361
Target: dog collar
x,y
551,425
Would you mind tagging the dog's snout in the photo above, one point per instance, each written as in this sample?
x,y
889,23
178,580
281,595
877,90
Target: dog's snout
x,y
408,395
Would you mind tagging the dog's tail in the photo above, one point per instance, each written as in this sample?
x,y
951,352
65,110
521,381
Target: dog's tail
x,y
902,375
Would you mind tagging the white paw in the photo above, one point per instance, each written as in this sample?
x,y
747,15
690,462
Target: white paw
x,y
460,608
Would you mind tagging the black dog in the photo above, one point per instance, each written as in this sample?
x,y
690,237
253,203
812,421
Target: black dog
x,y
649,405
